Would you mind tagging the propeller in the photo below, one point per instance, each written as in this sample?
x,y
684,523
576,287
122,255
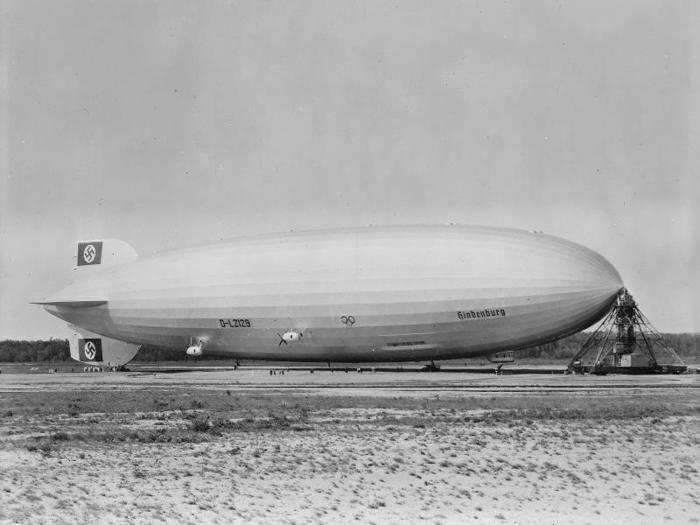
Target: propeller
x,y
289,337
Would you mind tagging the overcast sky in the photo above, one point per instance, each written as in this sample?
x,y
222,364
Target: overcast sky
x,y
172,124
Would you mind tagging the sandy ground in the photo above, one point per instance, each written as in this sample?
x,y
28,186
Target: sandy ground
x,y
331,448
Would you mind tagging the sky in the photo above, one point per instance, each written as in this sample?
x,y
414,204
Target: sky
x,y
169,124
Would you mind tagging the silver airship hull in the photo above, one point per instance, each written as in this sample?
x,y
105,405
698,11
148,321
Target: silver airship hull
x,y
369,294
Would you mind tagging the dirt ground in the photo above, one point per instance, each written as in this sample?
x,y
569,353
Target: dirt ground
x,y
367,448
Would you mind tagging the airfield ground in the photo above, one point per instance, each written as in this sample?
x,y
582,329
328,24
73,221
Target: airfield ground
x,y
347,447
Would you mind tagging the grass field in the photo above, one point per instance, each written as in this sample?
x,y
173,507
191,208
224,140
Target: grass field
x,y
192,453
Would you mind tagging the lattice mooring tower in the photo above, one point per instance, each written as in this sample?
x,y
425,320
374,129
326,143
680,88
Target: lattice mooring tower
x,y
626,342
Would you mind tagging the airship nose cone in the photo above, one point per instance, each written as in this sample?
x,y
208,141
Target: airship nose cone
x,y
589,282
592,269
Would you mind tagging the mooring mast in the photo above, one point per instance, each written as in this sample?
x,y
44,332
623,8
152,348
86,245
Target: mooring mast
x,y
626,342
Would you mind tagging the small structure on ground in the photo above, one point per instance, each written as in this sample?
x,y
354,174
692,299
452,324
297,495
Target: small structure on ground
x,y
625,342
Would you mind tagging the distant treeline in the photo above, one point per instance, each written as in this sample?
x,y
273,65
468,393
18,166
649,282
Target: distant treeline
x,y
56,350
685,345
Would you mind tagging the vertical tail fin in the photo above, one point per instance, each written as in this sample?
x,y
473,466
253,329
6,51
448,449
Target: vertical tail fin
x,y
104,252
96,349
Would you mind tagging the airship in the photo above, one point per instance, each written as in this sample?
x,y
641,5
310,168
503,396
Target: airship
x,y
399,293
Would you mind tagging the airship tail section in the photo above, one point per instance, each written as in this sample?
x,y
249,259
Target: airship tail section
x,y
94,349
102,253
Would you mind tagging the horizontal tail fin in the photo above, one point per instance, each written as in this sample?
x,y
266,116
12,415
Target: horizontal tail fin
x,y
71,304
